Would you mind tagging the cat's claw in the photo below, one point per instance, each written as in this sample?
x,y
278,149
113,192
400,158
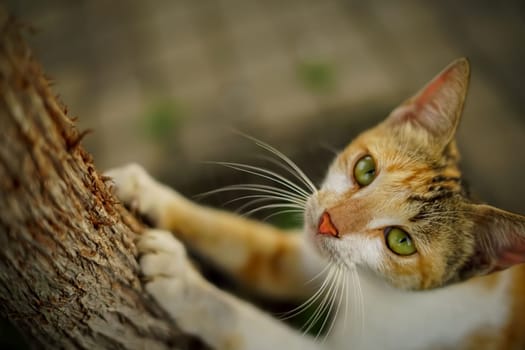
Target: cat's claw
x,y
137,190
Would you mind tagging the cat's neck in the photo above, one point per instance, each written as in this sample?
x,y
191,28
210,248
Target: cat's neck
x,y
392,315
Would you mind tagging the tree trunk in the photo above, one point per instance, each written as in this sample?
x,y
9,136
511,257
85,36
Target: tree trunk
x,y
68,270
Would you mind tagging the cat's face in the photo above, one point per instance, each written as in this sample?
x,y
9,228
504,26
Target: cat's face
x,y
413,190
393,201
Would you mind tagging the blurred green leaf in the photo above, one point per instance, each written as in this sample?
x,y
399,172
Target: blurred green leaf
x,y
287,220
317,76
162,119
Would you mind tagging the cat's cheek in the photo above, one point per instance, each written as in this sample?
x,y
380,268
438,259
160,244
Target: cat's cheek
x,y
402,272
364,251
351,250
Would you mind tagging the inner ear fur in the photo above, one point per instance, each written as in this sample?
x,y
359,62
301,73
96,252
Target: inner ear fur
x,y
437,107
499,241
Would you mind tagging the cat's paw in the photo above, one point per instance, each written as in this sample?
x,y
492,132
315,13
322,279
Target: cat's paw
x,y
138,190
162,256
197,307
168,274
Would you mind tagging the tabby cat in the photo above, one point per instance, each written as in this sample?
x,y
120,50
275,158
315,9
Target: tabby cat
x,y
391,245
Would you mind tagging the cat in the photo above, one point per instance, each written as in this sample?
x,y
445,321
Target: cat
x,y
391,244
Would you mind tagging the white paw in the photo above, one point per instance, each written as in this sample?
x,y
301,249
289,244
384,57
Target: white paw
x,y
196,306
163,256
169,276
137,189
129,179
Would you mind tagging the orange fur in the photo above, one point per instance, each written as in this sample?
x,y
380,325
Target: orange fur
x,y
514,334
418,184
261,257
417,188
511,335
271,267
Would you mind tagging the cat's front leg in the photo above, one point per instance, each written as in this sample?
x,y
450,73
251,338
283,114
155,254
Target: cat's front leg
x,y
264,258
198,307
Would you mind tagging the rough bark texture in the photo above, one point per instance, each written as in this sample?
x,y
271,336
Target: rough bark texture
x,y
68,271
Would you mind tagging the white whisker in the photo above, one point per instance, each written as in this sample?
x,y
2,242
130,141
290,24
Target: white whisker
x,y
267,174
247,205
258,188
327,313
318,274
282,212
291,198
311,320
291,171
346,299
322,308
265,197
312,299
287,160
341,290
273,206
359,300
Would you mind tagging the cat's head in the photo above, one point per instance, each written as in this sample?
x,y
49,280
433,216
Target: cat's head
x,y
393,201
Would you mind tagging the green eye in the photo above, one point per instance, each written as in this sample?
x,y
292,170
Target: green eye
x,y
399,241
365,171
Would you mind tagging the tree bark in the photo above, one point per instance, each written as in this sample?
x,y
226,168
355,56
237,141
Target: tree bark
x,y
68,271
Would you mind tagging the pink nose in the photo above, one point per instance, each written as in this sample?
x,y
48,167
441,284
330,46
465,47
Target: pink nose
x,y
326,226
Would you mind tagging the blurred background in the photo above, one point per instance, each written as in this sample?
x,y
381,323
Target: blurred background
x,y
166,83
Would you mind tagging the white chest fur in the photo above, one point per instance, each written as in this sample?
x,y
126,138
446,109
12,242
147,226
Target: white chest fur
x,y
395,319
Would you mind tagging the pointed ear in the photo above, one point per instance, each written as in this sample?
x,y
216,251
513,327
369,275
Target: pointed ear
x,y
499,238
438,106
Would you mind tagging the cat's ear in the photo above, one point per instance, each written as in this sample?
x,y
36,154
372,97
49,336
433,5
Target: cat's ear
x,y
438,106
499,238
